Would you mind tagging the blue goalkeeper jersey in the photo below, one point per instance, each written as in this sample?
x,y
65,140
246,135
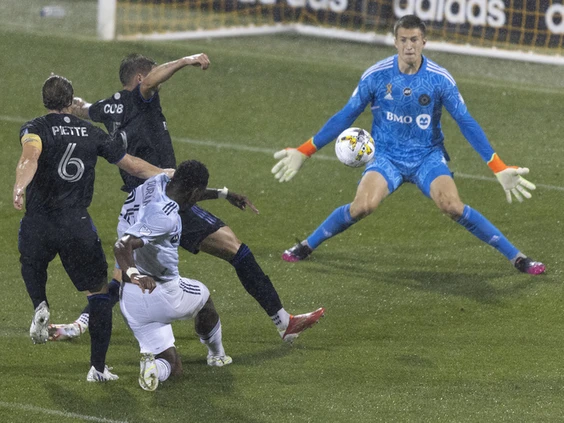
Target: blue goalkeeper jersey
x,y
406,112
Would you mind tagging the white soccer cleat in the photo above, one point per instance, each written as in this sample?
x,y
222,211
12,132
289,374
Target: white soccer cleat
x,y
148,374
63,332
219,361
38,330
96,376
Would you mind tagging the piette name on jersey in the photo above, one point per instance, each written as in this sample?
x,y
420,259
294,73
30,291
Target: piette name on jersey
x,y
79,131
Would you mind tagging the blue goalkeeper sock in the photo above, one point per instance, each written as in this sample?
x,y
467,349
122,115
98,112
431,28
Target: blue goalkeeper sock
x,y
336,223
482,229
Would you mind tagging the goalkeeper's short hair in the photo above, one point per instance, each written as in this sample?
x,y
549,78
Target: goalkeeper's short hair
x,y
132,65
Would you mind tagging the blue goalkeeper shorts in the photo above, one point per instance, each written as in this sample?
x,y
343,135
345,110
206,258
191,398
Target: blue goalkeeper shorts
x,y
421,173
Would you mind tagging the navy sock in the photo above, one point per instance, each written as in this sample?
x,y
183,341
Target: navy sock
x,y
482,229
336,223
113,292
100,329
255,281
35,279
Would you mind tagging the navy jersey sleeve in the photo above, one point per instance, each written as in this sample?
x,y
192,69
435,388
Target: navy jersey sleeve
x,y
110,148
96,110
345,117
472,131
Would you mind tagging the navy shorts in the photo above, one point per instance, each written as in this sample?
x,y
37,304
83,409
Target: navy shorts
x,y
72,235
197,224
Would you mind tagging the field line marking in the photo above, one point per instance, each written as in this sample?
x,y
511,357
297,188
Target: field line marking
x,y
27,407
241,147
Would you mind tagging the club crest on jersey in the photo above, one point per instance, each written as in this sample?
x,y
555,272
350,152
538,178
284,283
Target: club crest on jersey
x,y
423,121
145,231
424,99
407,91
389,92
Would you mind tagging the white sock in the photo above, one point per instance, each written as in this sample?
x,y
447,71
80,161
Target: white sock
x,y
163,368
281,319
83,321
213,341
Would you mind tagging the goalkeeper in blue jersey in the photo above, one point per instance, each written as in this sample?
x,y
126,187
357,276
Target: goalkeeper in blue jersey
x,y
406,93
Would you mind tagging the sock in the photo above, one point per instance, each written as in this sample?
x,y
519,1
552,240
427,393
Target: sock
x,y
35,279
163,368
100,329
281,319
336,223
255,282
482,229
213,341
82,321
114,298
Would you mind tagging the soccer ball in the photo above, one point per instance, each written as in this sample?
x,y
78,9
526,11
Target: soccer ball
x,y
354,147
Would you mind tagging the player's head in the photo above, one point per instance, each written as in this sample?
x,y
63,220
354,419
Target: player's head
x,y
57,93
410,39
189,182
134,68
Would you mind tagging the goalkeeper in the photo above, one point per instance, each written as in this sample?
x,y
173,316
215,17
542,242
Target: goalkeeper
x,y
406,93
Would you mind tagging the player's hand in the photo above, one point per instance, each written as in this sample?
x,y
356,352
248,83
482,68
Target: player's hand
x,y
200,60
19,198
144,282
169,172
240,201
291,160
513,183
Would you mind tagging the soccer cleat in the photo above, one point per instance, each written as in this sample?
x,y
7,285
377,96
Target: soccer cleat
x,y
148,374
96,376
298,252
219,361
527,265
299,323
63,332
38,330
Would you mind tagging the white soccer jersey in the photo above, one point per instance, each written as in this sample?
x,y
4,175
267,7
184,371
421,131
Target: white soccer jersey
x,y
149,214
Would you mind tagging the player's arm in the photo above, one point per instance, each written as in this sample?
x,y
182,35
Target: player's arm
x,y
508,176
123,251
237,200
138,167
80,108
292,159
27,166
163,72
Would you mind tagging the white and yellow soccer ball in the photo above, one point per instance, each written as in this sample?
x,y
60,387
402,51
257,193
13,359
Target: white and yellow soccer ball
x,y
354,147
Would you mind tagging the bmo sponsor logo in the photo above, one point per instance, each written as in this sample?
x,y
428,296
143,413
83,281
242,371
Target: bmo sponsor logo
x,y
474,12
423,121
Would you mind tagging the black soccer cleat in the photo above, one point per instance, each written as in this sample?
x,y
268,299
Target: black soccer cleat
x,y
527,265
298,252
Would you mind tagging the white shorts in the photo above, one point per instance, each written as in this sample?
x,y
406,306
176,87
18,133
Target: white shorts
x,y
149,315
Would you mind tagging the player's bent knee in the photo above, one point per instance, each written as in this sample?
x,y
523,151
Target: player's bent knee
x,y
452,209
102,288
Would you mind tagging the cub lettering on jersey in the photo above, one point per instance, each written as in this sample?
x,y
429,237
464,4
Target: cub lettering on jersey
x,y
113,109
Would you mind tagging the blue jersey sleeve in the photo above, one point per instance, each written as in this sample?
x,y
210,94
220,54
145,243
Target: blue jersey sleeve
x,y
345,117
472,131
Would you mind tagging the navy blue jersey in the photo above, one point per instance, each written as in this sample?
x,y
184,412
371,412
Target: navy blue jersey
x,y
406,111
142,126
66,167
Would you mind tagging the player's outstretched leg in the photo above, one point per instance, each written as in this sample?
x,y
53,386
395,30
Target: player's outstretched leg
x,y
484,230
38,330
208,327
299,323
337,222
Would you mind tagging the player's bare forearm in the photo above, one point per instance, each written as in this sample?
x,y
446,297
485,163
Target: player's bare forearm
x,y
237,200
25,171
164,72
80,108
123,251
138,167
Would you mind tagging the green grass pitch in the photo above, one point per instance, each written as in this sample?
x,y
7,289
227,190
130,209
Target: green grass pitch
x,y
424,323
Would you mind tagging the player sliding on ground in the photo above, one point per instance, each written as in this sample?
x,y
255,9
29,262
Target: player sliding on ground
x,y
406,93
